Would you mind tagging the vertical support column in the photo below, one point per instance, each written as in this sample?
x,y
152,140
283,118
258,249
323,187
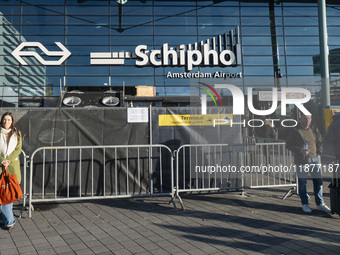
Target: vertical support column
x,y
324,65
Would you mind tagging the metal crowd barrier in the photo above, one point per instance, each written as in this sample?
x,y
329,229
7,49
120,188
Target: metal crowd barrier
x,y
25,157
70,173
214,167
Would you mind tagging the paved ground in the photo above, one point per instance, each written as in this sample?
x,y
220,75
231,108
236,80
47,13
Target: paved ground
x,y
225,223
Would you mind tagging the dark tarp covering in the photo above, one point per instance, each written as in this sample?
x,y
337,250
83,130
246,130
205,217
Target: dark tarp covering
x,y
45,127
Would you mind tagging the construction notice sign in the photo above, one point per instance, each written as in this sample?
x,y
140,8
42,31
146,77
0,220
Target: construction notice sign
x,y
194,119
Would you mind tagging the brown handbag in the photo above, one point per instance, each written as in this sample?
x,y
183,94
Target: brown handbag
x,y
10,190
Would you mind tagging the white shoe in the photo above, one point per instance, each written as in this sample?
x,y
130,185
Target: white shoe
x,y
306,208
324,208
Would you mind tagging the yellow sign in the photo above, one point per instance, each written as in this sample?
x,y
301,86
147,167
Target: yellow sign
x,y
195,119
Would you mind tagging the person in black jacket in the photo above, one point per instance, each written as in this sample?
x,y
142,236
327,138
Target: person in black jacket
x,y
307,161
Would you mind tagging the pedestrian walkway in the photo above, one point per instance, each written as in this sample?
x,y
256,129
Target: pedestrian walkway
x,y
223,223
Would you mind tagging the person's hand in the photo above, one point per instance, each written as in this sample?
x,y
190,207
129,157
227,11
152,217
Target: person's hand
x,y
6,163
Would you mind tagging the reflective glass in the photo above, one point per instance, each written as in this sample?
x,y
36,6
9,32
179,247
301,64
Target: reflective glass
x,y
86,10
258,70
43,19
83,70
302,40
42,30
335,40
218,11
11,20
174,11
258,60
226,21
45,10
175,30
303,50
132,21
87,40
302,30
256,40
301,21
300,70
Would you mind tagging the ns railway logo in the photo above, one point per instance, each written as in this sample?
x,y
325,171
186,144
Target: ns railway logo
x,y
223,50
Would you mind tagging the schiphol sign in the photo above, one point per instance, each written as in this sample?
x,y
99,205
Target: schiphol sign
x,y
222,50
188,58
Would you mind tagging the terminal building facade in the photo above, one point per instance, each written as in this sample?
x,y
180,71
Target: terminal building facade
x,y
166,48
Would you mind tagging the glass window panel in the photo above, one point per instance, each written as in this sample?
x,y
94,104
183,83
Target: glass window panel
x,y
87,20
87,10
303,50
218,11
174,11
334,40
175,30
11,20
333,30
178,20
223,3
86,50
332,10
86,81
128,10
87,40
259,60
301,60
131,30
86,30
134,21
301,30
304,5
258,70
131,70
214,30
302,40
8,79
225,21
300,11
79,60
38,10
10,42
255,21
252,3
131,40
43,19
258,50
132,81
87,70
255,30
47,39
301,21
255,11
333,21
174,41
300,70
42,30
44,2
55,70
256,40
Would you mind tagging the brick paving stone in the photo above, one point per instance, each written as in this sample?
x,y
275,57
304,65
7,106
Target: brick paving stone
x,y
46,252
220,223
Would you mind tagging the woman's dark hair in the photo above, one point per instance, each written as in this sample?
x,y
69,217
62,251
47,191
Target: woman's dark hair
x,y
13,127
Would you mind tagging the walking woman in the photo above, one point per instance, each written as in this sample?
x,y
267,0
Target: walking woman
x,y
10,149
